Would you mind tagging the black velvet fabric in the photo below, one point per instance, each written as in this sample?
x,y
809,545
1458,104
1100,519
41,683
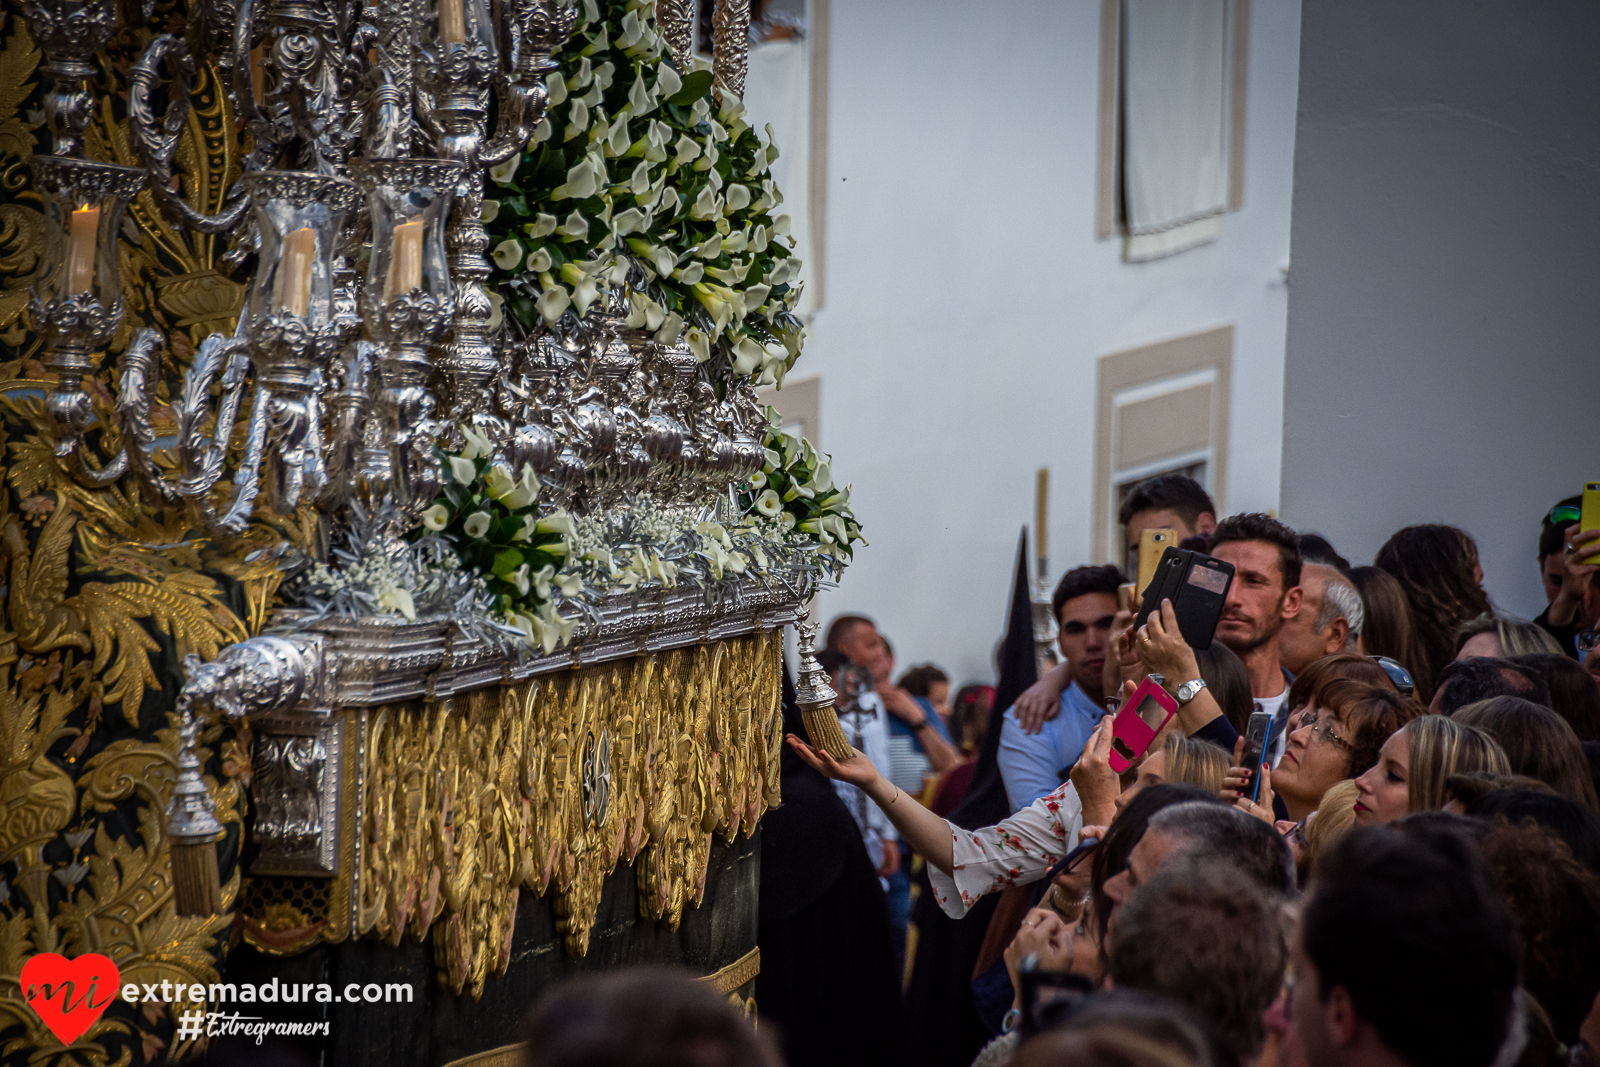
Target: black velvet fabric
x,y
828,986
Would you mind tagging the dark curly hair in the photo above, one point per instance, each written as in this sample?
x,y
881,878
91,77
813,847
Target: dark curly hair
x,y
1255,526
1435,566
1081,581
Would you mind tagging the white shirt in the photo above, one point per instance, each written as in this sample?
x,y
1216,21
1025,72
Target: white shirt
x,y
866,729
1019,850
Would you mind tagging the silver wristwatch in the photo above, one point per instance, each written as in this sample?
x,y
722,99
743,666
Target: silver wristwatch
x,y
1189,690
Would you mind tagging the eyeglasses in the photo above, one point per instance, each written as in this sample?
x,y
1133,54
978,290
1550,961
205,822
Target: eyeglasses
x,y
1563,515
1397,674
1588,640
1323,731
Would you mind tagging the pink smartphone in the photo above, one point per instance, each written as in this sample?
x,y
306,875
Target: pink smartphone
x,y
1138,722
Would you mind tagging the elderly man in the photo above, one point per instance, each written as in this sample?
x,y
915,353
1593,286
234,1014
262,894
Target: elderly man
x,y
1329,619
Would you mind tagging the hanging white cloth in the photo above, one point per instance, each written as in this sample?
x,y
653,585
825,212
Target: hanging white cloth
x,y
1175,163
777,89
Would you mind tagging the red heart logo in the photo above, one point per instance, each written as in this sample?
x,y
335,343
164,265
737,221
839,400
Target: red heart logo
x,y
69,995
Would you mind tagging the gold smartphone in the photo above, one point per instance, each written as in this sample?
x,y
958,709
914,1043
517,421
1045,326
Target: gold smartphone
x,y
1151,544
1590,519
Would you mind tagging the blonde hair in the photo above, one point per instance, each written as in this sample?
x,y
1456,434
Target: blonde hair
x,y
1517,638
1336,814
1441,747
1194,762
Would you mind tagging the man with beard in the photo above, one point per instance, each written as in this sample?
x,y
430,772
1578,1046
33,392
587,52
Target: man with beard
x,y
1034,764
1266,590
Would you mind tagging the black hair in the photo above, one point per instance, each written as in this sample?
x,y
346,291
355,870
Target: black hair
x,y
1314,548
1081,581
1467,681
1167,492
920,679
1410,925
839,630
1575,823
1228,682
1255,526
1553,538
1574,694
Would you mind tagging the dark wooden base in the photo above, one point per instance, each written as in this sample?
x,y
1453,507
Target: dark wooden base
x,y
438,1028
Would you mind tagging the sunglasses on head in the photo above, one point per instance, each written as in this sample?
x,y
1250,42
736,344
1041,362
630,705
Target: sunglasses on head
x,y
1563,515
1397,674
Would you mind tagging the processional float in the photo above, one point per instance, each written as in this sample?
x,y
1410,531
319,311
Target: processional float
x,y
379,614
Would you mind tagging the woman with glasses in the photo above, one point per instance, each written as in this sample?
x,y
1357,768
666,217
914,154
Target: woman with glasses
x,y
1333,739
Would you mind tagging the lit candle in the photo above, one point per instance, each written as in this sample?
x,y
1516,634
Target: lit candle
x,y
258,77
80,249
1041,515
405,262
452,22
293,290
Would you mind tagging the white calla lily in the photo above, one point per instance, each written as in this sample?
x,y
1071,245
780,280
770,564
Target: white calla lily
x,y
436,517
491,210
667,81
553,303
737,197
503,173
671,330
691,274
393,598
699,343
478,443
542,226
507,254
524,493
477,524
463,470
530,524
768,504
747,355
575,226
499,481
519,579
557,522
539,262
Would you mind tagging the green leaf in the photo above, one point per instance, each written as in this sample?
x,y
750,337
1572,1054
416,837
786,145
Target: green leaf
x,y
506,560
694,87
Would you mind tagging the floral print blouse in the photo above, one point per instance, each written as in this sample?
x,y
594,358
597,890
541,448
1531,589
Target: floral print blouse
x,y
1017,851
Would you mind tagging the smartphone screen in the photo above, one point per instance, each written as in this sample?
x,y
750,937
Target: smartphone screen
x,y
1255,746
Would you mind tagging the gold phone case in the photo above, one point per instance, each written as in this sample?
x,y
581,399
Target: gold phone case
x,y
1151,544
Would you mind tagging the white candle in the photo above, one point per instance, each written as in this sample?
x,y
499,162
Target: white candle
x,y
452,22
81,237
258,77
1041,515
405,261
293,290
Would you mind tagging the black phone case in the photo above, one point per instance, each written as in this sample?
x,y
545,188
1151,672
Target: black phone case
x,y
1198,609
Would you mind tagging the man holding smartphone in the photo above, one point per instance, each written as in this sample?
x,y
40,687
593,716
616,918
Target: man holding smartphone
x,y
1265,592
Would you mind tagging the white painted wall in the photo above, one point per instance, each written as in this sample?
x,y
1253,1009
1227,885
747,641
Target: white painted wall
x,y
1441,354
967,300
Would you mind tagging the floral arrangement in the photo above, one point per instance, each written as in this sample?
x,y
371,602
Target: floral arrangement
x,y
637,172
492,518
795,488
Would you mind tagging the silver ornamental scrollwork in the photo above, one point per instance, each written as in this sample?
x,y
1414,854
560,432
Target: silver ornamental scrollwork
x,y
596,780
70,32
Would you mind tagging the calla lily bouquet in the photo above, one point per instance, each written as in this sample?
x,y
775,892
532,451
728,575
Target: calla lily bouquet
x,y
795,488
491,516
638,179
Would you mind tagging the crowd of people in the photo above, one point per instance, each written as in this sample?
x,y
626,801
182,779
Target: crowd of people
x,y
1410,874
